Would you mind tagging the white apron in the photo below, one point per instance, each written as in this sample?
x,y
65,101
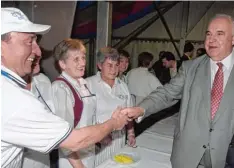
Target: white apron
x,y
88,117
106,104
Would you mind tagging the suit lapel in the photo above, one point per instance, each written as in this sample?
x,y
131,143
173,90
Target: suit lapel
x,y
206,78
227,96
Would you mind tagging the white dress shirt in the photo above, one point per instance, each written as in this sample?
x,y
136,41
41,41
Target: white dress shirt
x,y
227,68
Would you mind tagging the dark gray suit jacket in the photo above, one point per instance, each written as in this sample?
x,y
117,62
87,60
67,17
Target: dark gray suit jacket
x,y
195,131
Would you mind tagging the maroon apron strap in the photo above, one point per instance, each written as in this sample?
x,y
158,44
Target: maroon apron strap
x,y
78,107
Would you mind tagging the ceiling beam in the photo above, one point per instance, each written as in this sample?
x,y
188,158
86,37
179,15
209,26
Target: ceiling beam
x,y
167,28
201,15
141,28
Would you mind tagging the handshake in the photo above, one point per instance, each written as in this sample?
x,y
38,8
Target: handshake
x,y
121,116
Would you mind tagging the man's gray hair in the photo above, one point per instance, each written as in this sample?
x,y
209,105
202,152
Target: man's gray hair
x,y
229,17
107,53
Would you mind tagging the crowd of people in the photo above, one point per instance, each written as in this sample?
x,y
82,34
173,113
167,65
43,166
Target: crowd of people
x,y
88,120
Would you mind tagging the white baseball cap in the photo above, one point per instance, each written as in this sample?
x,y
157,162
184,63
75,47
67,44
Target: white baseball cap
x,y
14,20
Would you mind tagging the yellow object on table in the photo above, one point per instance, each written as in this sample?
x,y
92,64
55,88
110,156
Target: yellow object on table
x,y
124,159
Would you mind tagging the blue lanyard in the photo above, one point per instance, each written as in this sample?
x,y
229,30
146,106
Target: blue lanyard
x,y
14,79
23,85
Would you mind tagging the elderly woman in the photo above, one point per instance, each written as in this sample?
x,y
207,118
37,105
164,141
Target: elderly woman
x,y
73,100
111,92
123,64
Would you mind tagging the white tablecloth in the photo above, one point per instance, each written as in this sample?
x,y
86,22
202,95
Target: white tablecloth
x,y
148,159
164,127
154,147
164,130
155,142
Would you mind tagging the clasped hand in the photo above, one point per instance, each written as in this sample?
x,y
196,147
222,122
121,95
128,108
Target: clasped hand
x,y
123,115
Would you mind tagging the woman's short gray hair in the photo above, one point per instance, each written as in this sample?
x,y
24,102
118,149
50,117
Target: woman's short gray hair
x,y
107,52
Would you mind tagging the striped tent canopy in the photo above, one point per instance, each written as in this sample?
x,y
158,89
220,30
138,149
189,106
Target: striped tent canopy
x,y
124,12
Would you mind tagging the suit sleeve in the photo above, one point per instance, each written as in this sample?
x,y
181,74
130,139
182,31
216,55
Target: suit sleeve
x,y
165,96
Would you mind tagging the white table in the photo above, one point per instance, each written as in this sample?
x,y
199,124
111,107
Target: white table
x,y
149,159
154,147
164,127
155,142
160,129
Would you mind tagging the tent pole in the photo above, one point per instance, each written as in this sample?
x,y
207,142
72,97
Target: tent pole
x,y
141,28
104,27
166,27
184,27
203,14
91,55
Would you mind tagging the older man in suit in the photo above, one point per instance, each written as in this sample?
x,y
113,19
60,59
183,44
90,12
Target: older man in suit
x,y
206,87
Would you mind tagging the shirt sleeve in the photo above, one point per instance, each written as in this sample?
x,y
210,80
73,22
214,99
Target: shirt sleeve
x,y
26,122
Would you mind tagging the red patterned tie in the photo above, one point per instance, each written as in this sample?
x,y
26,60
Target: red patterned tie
x,y
217,90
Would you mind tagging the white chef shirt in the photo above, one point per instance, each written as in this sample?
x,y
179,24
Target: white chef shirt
x,y
43,84
41,88
108,98
26,123
141,83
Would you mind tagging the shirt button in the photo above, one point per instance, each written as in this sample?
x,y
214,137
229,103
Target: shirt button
x,y
211,130
204,146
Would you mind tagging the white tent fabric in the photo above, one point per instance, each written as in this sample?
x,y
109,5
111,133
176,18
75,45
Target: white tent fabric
x,y
136,47
199,16
174,20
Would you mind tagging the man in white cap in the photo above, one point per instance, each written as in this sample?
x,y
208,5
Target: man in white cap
x,y
26,123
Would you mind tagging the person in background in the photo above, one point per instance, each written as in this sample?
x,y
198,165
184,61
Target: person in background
x,y
123,64
111,92
160,71
169,62
188,51
25,121
72,98
40,86
200,52
139,80
206,120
